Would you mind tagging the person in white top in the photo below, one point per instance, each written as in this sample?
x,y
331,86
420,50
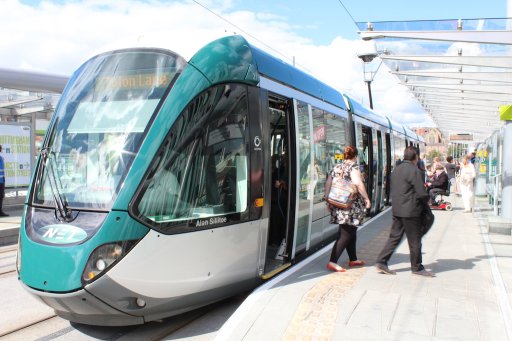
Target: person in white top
x,y
467,174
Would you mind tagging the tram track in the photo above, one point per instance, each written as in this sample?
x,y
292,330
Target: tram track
x,y
25,326
7,272
52,327
8,249
7,260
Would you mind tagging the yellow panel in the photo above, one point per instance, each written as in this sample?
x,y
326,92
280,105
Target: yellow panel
x,y
506,112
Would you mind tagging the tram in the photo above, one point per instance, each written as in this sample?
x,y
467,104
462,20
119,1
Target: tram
x,y
164,185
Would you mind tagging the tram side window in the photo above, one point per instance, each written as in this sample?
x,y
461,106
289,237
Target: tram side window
x,y
335,141
398,150
329,143
201,171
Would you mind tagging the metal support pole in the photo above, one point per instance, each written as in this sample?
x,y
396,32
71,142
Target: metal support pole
x,y
370,93
506,181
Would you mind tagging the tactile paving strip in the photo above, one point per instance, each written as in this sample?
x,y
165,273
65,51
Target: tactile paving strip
x,y
316,314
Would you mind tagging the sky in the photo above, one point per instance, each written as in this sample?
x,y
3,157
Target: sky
x,y
57,36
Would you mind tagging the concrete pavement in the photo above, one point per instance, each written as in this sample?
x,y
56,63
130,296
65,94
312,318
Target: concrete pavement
x,y
469,299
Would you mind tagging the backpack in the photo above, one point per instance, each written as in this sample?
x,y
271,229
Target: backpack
x,y
343,193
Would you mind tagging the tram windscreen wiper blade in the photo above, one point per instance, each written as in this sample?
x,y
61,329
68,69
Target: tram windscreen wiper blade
x,y
61,205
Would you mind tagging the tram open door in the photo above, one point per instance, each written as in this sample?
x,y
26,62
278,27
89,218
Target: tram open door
x,y
280,231
369,145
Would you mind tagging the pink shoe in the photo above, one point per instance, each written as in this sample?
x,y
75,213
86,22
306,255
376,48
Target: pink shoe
x,y
335,267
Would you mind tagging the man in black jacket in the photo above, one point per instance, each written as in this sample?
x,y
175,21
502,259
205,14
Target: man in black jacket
x,y
409,199
439,183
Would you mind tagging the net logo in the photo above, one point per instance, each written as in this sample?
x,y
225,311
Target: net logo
x,y
61,234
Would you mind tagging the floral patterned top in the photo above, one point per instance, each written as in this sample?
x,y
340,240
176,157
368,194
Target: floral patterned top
x,y
355,215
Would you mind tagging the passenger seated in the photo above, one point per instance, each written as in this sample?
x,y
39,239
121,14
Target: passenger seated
x,y
438,184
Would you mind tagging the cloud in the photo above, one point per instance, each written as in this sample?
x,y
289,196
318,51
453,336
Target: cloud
x,y
58,37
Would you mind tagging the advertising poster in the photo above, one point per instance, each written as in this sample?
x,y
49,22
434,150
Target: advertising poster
x,y
15,141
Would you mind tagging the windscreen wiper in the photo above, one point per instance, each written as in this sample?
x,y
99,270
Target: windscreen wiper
x,y
61,204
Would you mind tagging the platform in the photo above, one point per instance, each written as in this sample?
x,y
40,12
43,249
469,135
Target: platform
x,y
9,229
470,299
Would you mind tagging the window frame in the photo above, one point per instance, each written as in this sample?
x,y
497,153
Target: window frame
x,y
196,224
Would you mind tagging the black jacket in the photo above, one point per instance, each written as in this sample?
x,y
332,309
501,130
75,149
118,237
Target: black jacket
x,y
440,181
408,191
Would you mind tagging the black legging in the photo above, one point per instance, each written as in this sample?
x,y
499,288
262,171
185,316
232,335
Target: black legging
x,y
347,239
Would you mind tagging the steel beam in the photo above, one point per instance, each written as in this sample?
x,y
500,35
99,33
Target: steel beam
x,y
32,81
499,77
495,89
457,105
489,61
15,103
466,95
501,37
29,110
461,97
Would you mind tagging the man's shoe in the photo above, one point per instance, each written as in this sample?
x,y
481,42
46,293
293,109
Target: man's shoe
x,y
3,214
383,269
424,273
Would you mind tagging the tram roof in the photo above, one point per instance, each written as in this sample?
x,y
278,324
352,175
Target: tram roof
x,y
283,72
360,110
232,61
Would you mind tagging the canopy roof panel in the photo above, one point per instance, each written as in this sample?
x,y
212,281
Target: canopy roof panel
x,y
459,70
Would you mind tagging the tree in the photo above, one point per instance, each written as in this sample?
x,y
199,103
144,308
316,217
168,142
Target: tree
x,y
434,153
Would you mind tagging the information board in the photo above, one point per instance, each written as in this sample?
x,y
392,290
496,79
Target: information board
x,y
15,141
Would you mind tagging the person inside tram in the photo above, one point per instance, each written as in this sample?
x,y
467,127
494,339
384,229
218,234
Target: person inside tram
x,y
439,183
279,199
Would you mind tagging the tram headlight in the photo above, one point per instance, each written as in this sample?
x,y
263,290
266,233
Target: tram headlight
x,y
103,257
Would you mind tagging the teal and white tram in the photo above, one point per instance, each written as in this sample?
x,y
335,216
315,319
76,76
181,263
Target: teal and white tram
x,y
164,185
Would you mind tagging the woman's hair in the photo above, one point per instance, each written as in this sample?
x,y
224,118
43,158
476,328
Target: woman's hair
x,y
350,152
464,159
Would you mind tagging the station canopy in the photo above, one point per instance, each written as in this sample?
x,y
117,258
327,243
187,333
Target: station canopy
x,y
460,70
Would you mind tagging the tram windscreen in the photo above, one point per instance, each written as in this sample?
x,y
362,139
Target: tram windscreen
x,y
100,123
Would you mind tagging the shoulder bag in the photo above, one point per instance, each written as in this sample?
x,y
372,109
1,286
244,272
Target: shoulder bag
x,y
342,193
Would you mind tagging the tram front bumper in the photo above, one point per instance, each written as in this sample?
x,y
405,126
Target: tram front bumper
x,y
82,307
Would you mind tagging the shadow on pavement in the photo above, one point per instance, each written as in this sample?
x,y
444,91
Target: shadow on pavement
x,y
444,265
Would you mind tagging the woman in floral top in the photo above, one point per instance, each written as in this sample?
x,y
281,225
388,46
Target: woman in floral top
x,y
348,219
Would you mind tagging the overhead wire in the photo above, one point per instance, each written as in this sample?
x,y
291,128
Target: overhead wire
x,y
253,37
350,15
241,29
